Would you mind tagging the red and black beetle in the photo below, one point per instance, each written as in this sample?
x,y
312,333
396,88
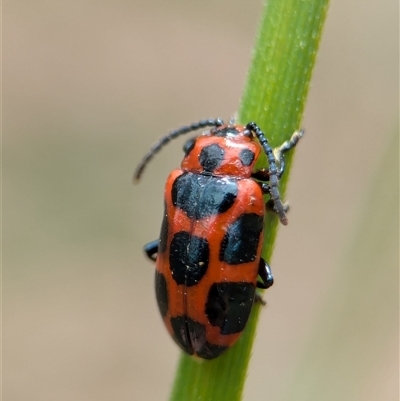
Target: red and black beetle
x,y
208,257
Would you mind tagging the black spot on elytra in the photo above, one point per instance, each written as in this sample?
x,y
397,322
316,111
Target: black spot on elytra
x,y
189,334
211,351
164,232
211,157
191,337
229,304
188,258
181,334
161,293
246,157
201,196
240,243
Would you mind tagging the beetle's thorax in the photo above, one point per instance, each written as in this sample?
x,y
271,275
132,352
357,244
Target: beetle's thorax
x,y
223,151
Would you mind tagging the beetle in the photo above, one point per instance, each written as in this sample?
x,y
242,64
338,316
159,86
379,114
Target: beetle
x,y
208,257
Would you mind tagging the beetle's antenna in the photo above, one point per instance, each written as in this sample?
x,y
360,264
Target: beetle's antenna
x,y
273,172
172,135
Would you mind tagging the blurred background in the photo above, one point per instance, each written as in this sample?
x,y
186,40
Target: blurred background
x,y
88,86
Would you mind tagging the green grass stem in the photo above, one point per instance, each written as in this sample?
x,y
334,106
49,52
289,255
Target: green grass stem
x,y
274,97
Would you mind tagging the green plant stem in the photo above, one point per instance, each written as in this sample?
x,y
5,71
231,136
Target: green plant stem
x,y
274,97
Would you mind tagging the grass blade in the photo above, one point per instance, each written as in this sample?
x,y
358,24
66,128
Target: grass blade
x,y
274,97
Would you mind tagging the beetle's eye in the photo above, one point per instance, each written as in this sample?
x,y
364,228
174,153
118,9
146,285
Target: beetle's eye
x,y
189,145
247,133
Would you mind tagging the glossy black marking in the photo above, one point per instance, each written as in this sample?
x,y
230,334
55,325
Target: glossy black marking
x,y
189,145
201,196
161,293
189,334
246,157
211,351
229,304
188,258
191,337
181,334
164,232
197,334
240,243
211,157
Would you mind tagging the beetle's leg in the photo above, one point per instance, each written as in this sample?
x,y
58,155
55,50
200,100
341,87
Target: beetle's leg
x,y
264,271
261,175
269,206
151,249
264,188
282,149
